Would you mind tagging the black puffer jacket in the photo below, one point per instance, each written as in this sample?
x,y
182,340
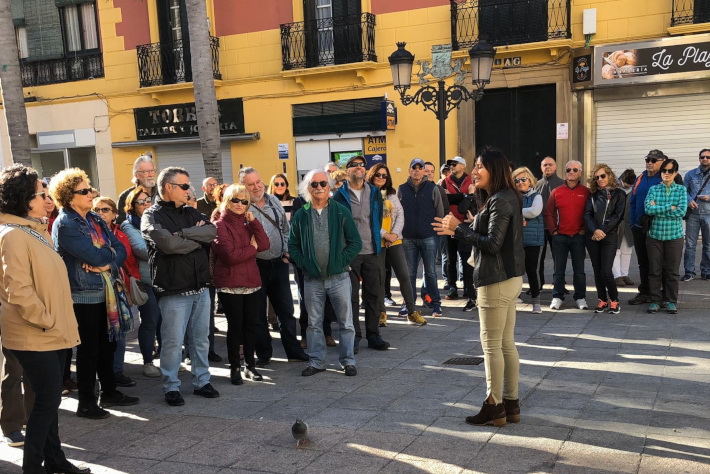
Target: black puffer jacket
x,y
605,210
497,239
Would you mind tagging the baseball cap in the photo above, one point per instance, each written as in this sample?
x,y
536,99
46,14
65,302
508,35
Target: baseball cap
x,y
456,160
658,154
356,157
416,161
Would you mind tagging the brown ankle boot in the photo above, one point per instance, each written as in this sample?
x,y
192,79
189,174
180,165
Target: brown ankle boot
x,y
489,415
512,410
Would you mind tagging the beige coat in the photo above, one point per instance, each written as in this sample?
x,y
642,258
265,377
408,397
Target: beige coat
x,y
36,312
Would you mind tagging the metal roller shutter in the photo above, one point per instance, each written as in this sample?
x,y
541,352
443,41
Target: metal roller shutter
x,y
628,129
189,156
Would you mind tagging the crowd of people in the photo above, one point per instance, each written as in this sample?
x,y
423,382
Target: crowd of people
x,y
79,269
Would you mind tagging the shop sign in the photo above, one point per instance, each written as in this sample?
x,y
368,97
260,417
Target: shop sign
x,y
582,71
667,59
389,115
180,120
508,62
375,151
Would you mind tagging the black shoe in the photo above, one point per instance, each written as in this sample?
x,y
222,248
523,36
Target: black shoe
x,y
376,342
92,412
529,292
310,370
350,370
261,363
207,391
640,299
214,357
66,468
118,399
123,380
470,305
356,347
174,399
302,357
452,294
235,376
251,373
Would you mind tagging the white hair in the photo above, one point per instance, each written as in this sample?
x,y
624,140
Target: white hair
x,y
308,179
139,160
245,171
328,165
574,162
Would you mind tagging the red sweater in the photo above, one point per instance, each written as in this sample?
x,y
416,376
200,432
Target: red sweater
x,y
131,264
234,255
454,190
564,212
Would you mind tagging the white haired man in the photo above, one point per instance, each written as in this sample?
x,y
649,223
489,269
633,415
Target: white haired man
x,y
144,174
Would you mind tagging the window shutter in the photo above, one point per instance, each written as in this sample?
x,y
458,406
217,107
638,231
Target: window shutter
x,y
44,31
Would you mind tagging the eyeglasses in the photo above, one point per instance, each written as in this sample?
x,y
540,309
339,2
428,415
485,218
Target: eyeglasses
x,y
147,171
184,187
85,191
417,167
142,202
380,175
279,185
355,164
520,180
572,170
652,160
668,171
600,176
243,202
43,194
102,210
322,184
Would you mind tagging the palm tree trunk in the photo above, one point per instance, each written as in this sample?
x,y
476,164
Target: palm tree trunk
x,y
203,83
11,87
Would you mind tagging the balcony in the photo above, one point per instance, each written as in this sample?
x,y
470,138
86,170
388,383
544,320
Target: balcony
x,y
690,12
329,41
54,71
508,22
161,64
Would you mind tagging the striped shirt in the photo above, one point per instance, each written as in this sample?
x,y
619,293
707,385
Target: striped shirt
x,y
667,223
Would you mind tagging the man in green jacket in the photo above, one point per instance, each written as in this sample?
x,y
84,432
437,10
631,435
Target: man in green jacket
x,y
323,241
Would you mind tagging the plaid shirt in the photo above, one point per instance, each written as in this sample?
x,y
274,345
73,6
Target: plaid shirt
x,y
667,223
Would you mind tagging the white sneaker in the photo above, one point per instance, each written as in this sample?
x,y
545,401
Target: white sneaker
x,y
556,303
536,309
582,304
149,370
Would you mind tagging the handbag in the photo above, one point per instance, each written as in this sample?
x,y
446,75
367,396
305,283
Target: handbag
x,y
135,290
125,316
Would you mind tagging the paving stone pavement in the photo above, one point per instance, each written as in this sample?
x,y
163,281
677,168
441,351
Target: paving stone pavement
x,y
599,393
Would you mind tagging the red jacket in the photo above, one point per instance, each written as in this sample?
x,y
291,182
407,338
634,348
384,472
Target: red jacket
x,y
564,212
234,255
456,194
131,264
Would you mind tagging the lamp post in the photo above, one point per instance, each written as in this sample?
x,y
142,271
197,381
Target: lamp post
x,y
441,99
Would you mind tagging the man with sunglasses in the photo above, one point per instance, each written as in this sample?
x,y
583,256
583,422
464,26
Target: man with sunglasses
x,y
365,204
544,187
564,217
179,239
697,219
650,177
144,174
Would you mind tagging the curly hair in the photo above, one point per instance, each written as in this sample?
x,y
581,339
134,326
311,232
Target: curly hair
x,y
62,185
132,196
610,178
218,193
286,196
18,187
339,175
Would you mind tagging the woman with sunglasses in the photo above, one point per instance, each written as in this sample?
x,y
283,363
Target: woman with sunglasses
x,y
602,216
240,237
497,238
666,203
92,255
278,186
137,202
533,230
392,225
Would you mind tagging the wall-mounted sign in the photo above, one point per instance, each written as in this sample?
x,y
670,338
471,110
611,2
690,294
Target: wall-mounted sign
x,y
283,151
180,120
563,131
667,59
375,150
508,62
389,115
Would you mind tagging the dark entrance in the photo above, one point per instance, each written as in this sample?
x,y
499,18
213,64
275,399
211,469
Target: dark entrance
x,y
175,55
519,121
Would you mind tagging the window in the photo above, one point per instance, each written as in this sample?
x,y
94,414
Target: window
x,y
21,35
79,27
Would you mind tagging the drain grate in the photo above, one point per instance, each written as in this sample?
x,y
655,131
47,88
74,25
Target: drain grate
x,y
464,361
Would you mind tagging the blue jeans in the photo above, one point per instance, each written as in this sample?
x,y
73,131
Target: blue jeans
x,y
414,249
120,353
185,314
338,289
563,245
696,224
150,313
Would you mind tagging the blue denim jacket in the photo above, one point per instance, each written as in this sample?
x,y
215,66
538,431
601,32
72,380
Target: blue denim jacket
x,y
72,240
693,180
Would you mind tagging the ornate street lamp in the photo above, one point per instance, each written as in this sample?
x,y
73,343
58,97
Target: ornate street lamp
x,y
441,99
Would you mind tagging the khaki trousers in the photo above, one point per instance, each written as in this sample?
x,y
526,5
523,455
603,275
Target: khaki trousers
x,y
496,308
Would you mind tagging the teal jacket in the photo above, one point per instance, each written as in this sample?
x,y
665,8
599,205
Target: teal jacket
x,y
342,196
345,243
667,223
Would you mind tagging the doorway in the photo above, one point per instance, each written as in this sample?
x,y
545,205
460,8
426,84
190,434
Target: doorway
x,y
174,41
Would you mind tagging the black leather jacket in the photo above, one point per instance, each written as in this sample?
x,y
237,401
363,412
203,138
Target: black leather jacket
x,y
497,239
605,214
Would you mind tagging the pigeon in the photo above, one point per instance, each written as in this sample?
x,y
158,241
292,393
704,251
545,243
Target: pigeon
x,y
299,430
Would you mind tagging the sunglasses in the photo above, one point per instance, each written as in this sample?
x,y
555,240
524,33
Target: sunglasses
x,y
184,187
356,164
142,202
322,184
279,185
102,210
572,170
705,157
520,180
417,167
600,176
668,171
85,191
243,202
380,175
43,194
652,160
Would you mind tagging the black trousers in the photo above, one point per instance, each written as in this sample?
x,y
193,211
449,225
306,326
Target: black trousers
x,y
367,269
543,254
532,264
644,270
16,396
602,254
329,312
455,248
241,312
45,372
275,284
94,356
664,258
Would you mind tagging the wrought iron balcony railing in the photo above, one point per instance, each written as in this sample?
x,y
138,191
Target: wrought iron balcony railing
x,y
338,40
688,12
506,22
170,63
54,71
